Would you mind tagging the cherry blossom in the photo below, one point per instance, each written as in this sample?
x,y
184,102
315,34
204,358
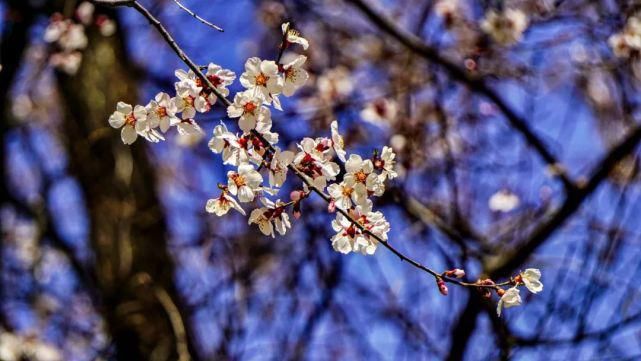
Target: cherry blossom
x,y
271,217
222,204
350,238
162,112
531,277
227,143
510,298
312,162
188,100
293,36
220,78
343,193
245,183
261,78
385,162
338,144
132,120
249,108
294,76
361,173
278,167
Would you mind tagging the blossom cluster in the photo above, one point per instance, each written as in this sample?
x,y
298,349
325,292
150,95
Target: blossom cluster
x,y
261,166
346,181
68,37
627,42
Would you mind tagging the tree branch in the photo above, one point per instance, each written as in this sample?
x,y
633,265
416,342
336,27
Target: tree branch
x,y
196,69
574,200
416,45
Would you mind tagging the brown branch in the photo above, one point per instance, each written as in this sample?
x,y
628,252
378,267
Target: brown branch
x,y
196,69
417,46
188,11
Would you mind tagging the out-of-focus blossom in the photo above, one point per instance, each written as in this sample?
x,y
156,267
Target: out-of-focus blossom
x,y
335,83
293,36
503,201
380,112
84,12
507,27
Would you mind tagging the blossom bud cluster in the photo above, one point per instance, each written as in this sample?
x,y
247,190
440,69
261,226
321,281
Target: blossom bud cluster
x,y
68,37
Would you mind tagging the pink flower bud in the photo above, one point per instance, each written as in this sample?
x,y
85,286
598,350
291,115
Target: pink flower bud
x,y
331,207
295,195
442,287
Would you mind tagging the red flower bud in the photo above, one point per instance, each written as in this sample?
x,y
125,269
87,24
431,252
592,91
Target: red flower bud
x,y
441,286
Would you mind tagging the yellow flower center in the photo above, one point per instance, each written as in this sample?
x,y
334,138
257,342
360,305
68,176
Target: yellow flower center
x,y
361,177
261,79
130,119
238,180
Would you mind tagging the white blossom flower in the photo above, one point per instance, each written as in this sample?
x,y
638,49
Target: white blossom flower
x,y
294,75
262,78
532,279
338,144
278,167
189,127
270,217
293,36
188,100
222,204
361,172
152,135
507,27
220,78
162,112
510,298
312,162
350,238
250,110
132,120
244,183
385,162
227,143
343,193
503,201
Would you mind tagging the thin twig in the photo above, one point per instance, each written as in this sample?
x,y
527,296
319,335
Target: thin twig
x,y
197,70
186,9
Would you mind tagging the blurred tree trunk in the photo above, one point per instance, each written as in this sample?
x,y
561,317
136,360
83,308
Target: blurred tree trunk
x,y
134,272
